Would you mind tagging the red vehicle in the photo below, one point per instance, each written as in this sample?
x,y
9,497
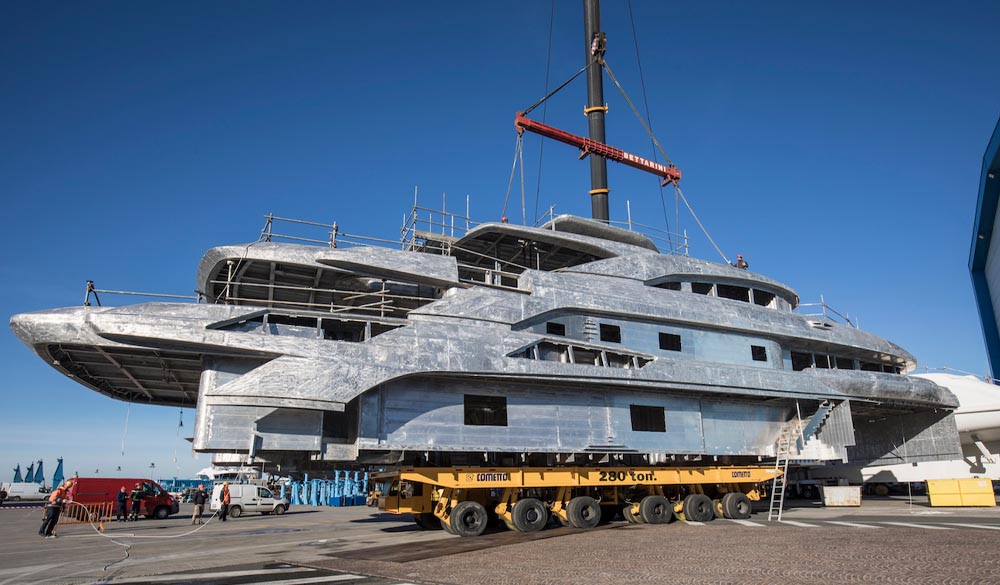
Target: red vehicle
x,y
156,502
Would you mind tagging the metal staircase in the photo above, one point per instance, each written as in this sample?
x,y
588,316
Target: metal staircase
x,y
792,440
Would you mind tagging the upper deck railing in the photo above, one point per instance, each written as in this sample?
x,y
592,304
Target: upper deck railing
x,y
423,229
828,313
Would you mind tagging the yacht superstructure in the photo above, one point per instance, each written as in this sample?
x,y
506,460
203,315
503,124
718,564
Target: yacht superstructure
x,y
570,339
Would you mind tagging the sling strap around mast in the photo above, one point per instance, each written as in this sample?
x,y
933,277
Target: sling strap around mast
x,y
669,173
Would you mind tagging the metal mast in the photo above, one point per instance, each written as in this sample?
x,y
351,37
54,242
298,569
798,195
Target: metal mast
x,y
596,109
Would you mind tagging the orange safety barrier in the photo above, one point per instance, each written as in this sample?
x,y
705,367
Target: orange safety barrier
x,y
75,513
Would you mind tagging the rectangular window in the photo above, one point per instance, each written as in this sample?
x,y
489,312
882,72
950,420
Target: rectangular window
x,y
648,418
870,367
670,342
553,328
758,353
736,293
844,363
485,410
670,285
701,288
801,361
587,357
822,361
611,333
762,298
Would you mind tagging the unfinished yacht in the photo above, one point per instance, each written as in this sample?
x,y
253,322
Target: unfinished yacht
x,y
570,338
571,341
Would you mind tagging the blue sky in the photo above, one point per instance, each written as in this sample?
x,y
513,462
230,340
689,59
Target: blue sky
x,y
837,146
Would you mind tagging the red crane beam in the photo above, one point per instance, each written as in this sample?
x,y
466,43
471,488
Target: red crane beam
x,y
669,173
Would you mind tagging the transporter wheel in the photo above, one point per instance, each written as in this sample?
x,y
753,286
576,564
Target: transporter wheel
x,y
279,509
427,521
446,526
717,509
583,512
468,518
655,510
530,515
629,516
161,513
736,506
698,508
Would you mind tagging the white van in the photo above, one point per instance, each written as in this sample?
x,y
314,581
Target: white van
x,y
245,497
26,492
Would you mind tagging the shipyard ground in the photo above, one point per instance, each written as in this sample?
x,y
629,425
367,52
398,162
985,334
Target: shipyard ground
x,y
885,541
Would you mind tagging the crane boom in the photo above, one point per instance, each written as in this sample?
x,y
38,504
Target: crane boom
x,y
669,173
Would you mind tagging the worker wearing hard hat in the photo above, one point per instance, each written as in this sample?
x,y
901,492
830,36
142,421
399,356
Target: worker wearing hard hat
x,y
57,499
224,501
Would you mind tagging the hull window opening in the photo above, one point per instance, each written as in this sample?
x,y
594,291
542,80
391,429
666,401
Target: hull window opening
x,y
553,328
702,288
801,361
736,293
670,341
649,419
490,411
758,353
611,333
763,298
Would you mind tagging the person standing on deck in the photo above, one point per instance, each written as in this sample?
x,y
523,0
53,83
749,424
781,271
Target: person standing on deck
x,y
740,262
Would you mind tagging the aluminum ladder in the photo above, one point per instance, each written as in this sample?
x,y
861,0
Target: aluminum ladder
x,y
789,434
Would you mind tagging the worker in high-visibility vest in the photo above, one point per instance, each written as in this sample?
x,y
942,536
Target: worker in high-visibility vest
x,y
57,499
136,497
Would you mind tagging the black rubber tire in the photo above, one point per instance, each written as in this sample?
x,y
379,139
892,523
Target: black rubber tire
x,y
446,526
655,510
629,516
583,512
468,519
279,509
698,508
529,515
235,512
161,513
427,521
736,506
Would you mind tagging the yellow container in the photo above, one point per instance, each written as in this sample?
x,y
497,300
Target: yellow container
x,y
961,492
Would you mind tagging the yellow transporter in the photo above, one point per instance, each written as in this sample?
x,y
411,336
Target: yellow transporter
x,y
463,500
